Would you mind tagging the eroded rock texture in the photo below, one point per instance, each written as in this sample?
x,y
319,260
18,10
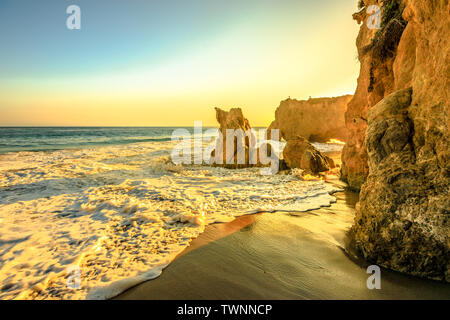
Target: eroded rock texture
x,y
317,120
243,152
299,153
398,122
377,51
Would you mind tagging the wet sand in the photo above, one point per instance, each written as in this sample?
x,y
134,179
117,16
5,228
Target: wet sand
x,y
280,256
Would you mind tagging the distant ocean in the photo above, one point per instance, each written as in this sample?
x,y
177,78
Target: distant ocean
x,y
15,139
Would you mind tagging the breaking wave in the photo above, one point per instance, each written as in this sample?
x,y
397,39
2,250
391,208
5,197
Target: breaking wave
x,y
120,214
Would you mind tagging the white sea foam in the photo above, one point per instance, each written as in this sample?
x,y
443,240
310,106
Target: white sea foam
x,y
121,214
331,146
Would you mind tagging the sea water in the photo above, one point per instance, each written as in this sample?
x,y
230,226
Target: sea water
x,y
109,204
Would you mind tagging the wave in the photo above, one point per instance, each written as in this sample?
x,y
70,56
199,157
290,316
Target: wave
x,y
120,214
48,146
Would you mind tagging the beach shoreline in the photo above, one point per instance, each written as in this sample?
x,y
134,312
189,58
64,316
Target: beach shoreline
x,y
250,258
101,202
119,214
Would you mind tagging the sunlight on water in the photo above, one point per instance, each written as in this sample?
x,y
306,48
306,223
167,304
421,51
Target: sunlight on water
x,y
121,213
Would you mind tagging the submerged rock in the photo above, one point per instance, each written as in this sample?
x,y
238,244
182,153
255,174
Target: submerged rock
x,y
299,153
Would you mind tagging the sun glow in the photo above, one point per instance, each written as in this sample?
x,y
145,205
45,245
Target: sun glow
x,y
336,141
252,63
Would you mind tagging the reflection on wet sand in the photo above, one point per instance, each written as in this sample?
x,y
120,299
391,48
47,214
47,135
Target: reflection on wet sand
x,y
218,231
280,256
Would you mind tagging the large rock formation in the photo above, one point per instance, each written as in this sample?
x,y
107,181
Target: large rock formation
x,y
315,119
402,220
376,53
299,153
244,152
233,119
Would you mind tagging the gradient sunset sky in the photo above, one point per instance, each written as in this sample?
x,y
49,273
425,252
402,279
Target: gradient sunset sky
x,y
169,62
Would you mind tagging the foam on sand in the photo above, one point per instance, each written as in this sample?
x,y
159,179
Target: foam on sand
x,y
120,214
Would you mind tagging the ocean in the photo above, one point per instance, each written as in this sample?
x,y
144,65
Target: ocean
x,y
16,139
90,212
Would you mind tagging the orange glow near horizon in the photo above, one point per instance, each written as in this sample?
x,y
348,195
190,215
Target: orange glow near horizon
x,y
247,67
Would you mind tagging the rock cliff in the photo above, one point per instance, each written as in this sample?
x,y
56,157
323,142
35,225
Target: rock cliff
x,y
398,147
317,120
377,50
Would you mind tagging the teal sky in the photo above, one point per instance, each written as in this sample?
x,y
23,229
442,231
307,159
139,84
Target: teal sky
x,y
124,47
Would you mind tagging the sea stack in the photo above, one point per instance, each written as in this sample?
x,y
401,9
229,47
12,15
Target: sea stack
x,y
235,120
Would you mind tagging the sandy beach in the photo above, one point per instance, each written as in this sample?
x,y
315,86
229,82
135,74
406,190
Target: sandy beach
x,y
119,214
279,256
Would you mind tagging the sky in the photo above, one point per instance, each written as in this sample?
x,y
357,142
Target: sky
x,y
170,62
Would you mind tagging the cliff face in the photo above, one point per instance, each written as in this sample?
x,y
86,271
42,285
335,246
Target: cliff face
x,y
315,119
398,147
376,52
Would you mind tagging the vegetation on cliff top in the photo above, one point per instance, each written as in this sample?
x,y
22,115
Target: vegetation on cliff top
x,y
361,4
392,9
386,40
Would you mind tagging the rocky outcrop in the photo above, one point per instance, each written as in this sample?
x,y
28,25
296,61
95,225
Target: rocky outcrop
x,y
331,162
244,153
233,119
299,153
315,119
399,146
377,50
